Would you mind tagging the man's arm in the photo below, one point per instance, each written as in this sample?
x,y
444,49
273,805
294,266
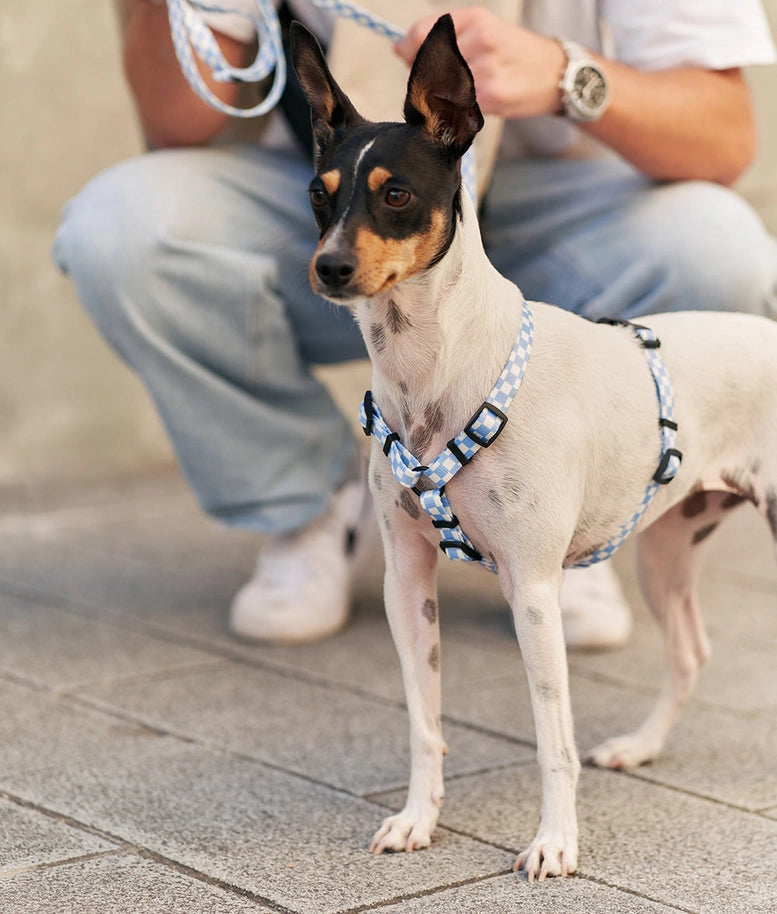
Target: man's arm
x,y
686,123
170,113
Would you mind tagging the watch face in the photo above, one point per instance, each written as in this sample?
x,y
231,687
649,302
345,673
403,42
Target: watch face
x,y
589,87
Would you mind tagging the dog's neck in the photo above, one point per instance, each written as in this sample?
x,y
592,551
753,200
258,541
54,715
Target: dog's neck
x,y
440,338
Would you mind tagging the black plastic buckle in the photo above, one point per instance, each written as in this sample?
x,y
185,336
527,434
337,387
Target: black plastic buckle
x,y
619,322
658,476
471,553
390,439
446,524
457,452
369,413
495,411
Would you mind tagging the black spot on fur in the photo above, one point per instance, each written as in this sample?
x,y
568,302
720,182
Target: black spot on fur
x,y
434,417
429,610
548,692
702,533
397,321
496,499
378,337
408,503
434,657
403,387
694,504
534,616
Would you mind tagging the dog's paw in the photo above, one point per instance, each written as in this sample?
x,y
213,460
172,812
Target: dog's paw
x,y
549,855
629,751
402,832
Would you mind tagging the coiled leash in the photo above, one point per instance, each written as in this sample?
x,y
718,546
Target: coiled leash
x,y
485,427
191,34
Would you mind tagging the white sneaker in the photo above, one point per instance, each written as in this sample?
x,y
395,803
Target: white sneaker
x,y
301,588
594,611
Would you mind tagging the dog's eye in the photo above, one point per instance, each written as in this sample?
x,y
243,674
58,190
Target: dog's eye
x,y
397,197
318,197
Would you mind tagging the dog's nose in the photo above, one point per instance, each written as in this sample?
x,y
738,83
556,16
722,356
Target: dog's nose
x,y
335,270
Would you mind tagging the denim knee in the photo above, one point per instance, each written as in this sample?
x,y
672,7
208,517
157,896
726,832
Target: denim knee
x,y
716,252
107,242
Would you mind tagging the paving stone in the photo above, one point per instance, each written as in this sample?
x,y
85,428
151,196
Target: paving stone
x,y
36,728
29,838
642,838
59,649
118,884
331,735
514,893
282,838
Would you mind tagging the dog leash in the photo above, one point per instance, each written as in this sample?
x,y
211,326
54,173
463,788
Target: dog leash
x,y
191,35
484,428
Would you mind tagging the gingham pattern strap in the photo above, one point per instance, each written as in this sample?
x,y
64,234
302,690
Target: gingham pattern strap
x,y
481,431
191,35
487,423
669,462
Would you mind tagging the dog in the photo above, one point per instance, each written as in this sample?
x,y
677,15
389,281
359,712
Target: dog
x,y
572,455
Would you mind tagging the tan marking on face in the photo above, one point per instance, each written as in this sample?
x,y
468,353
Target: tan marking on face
x,y
385,261
331,180
378,177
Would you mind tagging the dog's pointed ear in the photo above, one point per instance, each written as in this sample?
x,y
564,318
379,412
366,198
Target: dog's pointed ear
x,y
330,107
441,91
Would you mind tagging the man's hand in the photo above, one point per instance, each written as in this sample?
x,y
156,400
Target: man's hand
x,y
516,72
684,123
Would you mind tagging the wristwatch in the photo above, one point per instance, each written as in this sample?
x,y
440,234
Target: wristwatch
x,y
584,90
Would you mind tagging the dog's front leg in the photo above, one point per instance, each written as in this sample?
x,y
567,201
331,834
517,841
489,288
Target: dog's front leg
x,y
553,852
411,607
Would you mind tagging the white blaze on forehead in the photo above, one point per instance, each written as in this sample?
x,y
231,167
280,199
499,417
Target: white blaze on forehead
x,y
332,239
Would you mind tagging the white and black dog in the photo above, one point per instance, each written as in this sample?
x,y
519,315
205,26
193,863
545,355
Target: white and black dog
x,y
400,245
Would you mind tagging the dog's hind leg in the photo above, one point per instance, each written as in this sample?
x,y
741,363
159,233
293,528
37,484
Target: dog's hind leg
x,y
411,608
670,555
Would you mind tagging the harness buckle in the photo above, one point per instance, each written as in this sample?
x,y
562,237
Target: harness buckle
x,y
468,550
660,476
369,413
490,430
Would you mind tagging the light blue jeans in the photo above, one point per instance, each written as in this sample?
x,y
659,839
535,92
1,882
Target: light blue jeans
x,y
193,264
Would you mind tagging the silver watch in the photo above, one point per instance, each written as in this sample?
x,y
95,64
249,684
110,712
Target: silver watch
x,y
584,90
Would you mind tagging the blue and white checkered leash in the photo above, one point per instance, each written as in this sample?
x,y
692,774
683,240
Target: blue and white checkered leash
x,y
192,35
485,427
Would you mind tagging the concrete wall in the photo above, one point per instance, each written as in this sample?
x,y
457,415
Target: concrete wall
x,y
68,407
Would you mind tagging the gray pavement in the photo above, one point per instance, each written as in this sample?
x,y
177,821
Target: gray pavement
x,y
151,763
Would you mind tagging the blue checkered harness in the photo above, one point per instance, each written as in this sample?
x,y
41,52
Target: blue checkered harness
x,y
191,35
485,427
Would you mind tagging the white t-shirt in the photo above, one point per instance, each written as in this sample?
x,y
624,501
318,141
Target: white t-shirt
x,y
645,34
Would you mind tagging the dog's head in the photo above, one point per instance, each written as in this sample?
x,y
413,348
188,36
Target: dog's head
x,y
386,196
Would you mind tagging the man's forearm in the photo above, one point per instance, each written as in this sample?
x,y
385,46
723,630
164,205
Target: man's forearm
x,y
688,123
170,113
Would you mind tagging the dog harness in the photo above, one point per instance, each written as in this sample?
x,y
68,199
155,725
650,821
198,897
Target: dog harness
x,y
190,32
484,428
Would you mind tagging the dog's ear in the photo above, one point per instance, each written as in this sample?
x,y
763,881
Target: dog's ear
x,y
441,91
330,107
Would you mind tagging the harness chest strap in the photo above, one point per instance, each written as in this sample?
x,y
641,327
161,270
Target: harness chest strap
x,y
485,427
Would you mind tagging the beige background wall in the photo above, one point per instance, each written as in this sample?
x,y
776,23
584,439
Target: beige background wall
x,y
68,407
